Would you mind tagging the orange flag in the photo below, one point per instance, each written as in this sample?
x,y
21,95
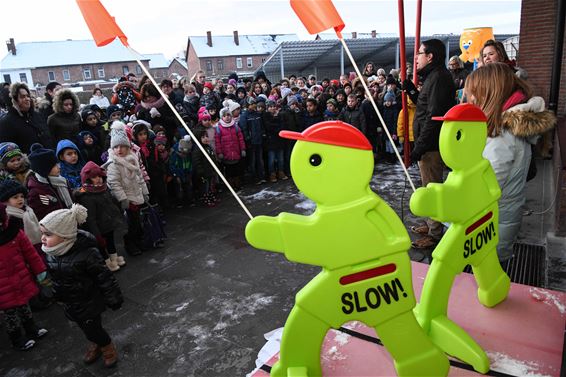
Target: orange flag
x,y
102,25
318,15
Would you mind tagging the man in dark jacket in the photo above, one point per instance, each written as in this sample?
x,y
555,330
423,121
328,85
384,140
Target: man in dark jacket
x,y
353,114
45,105
23,125
435,98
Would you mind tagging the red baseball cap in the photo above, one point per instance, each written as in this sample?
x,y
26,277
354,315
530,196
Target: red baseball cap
x,y
464,112
331,132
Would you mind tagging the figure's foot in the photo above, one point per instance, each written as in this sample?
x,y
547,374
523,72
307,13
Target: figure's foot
x,y
496,293
430,363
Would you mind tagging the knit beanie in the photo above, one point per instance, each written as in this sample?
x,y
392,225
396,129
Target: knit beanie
x,y
208,85
389,97
224,111
232,82
185,144
112,109
231,105
91,170
86,113
201,110
291,100
42,160
333,102
9,150
9,188
261,97
118,135
64,222
390,80
140,125
162,140
285,92
204,115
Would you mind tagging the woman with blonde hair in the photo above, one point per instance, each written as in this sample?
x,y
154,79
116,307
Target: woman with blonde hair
x,y
515,119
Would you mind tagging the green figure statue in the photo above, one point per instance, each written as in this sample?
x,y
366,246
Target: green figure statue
x,y
361,245
468,200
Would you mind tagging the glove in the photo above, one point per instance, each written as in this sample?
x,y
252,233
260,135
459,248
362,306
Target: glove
x,y
243,153
41,276
415,156
154,113
125,204
411,90
221,156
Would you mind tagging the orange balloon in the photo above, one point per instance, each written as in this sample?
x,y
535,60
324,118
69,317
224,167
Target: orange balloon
x,y
102,25
318,15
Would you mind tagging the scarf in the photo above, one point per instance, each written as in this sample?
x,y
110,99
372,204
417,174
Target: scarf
x,y
144,149
129,163
31,225
157,104
61,249
60,185
189,98
226,125
89,187
516,98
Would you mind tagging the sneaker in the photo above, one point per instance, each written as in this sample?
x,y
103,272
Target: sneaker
x,y
426,242
423,229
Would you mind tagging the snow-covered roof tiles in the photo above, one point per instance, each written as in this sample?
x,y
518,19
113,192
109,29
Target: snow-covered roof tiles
x,y
223,45
69,52
157,60
182,62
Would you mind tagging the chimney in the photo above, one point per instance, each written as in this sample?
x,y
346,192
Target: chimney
x,y
11,46
236,38
209,38
354,35
374,34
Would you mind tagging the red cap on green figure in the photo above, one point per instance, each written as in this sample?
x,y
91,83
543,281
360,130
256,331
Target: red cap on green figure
x,y
465,112
333,133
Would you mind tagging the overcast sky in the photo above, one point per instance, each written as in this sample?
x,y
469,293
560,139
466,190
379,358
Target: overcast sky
x,y
164,25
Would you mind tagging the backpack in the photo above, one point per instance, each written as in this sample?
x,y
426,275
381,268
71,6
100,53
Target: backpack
x,y
126,97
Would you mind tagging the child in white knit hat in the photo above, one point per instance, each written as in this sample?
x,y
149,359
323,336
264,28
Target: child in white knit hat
x,y
81,280
126,182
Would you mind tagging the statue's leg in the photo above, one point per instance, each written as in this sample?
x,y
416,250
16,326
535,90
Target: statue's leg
x,y
300,345
493,282
435,294
412,351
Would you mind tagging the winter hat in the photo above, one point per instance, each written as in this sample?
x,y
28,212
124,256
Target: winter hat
x,y
291,100
8,151
231,105
162,140
63,222
232,82
42,160
315,87
90,171
140,125
9,188
261,97
233,76
118,135
204,115
285,92
201,110
270,103
86,113
66,144
224,111
81,136
250,100
112,109
390,80
208,85
333,102
335,83
389,96
185,144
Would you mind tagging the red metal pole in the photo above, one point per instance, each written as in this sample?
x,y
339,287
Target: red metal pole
x,y
417,40
403,75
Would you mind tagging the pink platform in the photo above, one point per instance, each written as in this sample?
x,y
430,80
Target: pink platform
x,y
523,336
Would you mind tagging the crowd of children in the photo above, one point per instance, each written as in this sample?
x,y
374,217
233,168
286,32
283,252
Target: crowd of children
x,y
60,208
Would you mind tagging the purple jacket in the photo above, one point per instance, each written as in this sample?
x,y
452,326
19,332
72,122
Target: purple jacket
x,y
229,142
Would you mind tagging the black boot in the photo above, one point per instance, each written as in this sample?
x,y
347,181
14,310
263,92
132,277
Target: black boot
x,y
130,246
19,341
32,330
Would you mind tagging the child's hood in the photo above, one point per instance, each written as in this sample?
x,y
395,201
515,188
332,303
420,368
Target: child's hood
x,y
66,144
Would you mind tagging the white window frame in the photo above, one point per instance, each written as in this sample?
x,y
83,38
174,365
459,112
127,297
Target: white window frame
x,y
87,73
250,62
209,65
100,72
138,70
125,70
220,64
66,75
23,78
50,76
239,63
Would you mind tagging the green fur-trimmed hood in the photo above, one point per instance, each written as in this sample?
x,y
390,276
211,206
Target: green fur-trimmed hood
x,y
61,96
529,119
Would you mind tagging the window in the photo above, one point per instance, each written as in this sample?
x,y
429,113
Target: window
x,y
250,62
138,70
100,72
209,65
238,62
23,78
125,70
263,60
51,75
66,75
87,74
220,64
7,79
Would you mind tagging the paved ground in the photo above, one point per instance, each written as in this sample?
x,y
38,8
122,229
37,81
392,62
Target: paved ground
x,y
200,306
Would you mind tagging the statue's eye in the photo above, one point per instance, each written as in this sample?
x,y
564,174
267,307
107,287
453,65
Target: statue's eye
x,y
459,135
315,160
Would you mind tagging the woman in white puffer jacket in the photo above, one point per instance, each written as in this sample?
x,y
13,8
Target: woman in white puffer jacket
x,y
515,121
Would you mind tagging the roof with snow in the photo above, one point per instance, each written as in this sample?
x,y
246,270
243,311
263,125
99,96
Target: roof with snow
x,y
223,45
157,60
181,61
69,52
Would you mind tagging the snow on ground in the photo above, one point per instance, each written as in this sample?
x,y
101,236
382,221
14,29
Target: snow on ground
x,y
506,364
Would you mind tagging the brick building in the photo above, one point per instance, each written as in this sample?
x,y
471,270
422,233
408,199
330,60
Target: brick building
x,y
540,21
162,68
220,55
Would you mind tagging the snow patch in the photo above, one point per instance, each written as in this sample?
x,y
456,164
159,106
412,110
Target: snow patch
x,y
334,354
232,310
264,194
342,338
182,307
506,364
210,263
306,205
548,298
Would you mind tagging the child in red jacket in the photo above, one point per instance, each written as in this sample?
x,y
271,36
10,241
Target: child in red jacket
x,y
17,285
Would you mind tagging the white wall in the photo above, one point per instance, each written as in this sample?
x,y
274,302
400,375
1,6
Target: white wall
x,y
15,76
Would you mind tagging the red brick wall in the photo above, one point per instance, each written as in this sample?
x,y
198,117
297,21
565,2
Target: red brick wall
x,y
536,47
176,67
193,62
230,64
111,70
